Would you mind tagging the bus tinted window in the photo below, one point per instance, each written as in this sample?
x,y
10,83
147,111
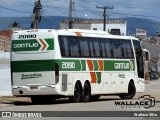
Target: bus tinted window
x,y
129,49
103,51
91,48
108,48
95,47
64,46
117,49
74,47
124,50
84,48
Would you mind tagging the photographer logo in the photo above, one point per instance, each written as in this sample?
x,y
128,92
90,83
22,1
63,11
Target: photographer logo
x,y
145,101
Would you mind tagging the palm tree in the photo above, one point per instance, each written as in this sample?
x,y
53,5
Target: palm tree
x,y
15,26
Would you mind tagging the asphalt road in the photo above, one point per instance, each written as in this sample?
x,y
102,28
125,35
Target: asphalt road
x,y
105,103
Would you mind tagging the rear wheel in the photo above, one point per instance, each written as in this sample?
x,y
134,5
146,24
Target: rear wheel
x,y
77,94
131,92
86,93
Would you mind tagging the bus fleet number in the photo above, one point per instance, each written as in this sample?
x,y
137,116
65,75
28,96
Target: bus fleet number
x,y
68,65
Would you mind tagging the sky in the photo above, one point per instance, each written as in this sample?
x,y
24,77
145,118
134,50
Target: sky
x,y
148,9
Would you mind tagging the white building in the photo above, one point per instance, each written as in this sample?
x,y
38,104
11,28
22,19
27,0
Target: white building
x,y
116,27
141,33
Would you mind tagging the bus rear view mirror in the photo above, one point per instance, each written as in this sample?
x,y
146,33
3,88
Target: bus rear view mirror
x,y
146,55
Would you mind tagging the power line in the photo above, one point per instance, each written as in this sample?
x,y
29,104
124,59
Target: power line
x,y
13,10
105,8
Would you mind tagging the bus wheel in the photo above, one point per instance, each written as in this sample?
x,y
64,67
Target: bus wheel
x,y
131,92
86,93
77,94
95,97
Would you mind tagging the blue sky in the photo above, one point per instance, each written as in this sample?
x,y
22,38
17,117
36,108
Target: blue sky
x,y
148,9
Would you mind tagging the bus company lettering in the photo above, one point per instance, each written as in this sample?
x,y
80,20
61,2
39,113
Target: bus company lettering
x,y
121,65
68,65
26,45
29,76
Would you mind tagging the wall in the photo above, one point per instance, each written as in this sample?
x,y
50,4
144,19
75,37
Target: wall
x,y
5,74
122,27
76,26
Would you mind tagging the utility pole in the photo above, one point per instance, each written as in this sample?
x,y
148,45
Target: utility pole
x,y
36,17
70,15
105,10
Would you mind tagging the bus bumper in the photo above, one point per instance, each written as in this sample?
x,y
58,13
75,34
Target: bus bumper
x,y
34,90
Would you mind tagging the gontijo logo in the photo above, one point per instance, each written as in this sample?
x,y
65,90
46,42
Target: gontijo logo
x,y
33,45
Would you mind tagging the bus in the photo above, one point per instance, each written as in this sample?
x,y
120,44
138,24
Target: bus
x,y
79,64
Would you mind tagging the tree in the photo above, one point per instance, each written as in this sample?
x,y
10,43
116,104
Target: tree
x,y
15,26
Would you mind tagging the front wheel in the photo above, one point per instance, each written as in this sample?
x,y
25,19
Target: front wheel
x,y
131,92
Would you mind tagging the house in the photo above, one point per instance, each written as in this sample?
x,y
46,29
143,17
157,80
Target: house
x,y
116,27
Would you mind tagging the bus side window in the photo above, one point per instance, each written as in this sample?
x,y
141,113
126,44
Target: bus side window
x,y
125,49
103,49
91,48
129,49
117,49
64,46
108,48
74,47
84,48
96,48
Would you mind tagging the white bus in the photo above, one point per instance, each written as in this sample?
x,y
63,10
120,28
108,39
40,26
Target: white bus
x,y
79,64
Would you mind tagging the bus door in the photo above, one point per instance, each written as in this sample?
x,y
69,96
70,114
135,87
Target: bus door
x,y
139,59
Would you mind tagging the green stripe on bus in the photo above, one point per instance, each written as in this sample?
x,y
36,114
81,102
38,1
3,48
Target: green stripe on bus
x,y
32,66
33,44
95,63
70,65
25,45
50,42
83,62
98,77
117,65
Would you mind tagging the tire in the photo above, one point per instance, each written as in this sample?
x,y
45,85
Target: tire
x,y
95,97
77,94
86,93
42,99
131,92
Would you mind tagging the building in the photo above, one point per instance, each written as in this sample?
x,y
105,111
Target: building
x,y
116,27
141,33
5,40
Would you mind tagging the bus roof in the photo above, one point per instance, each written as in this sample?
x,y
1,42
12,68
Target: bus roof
x,y
73,31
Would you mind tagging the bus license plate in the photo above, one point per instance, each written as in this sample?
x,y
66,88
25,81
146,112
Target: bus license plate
x,y
33,87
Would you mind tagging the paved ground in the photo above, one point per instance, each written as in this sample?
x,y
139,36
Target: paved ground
x,y
106,103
